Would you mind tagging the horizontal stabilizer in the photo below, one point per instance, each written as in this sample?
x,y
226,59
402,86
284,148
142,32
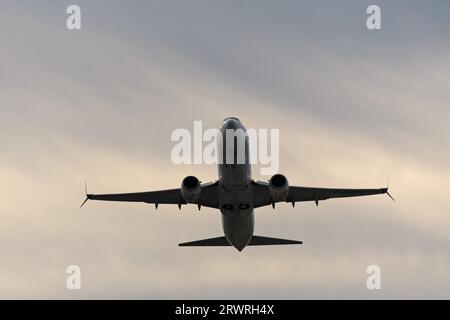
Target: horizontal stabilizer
x,y
211,242
223,242
266,241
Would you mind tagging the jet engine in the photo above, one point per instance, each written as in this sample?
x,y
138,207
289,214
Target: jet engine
x,y
278,187
190,189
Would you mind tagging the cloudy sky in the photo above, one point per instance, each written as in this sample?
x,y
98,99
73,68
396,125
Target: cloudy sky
x,y
353,106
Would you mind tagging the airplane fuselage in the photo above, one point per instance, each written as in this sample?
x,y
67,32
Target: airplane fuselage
x,y
235,190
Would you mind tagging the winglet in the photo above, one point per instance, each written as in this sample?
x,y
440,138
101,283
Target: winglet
x,y
85,191
387,191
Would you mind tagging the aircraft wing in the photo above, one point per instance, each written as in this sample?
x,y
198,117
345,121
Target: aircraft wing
x,y
296,194
208,196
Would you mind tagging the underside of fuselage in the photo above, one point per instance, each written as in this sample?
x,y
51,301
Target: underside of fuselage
x,y
235,189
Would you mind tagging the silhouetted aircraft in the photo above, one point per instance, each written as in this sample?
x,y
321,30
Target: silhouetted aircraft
x,y
236,195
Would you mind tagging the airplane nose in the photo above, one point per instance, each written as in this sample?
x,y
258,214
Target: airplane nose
x,y
232,123
231,118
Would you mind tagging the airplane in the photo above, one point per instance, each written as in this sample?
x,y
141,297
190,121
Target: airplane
x,y
236,195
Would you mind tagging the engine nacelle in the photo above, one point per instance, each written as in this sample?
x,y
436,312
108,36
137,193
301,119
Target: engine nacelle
x,y
190,189
278,187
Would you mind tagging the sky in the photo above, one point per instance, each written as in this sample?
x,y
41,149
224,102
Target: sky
x,y
355,107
